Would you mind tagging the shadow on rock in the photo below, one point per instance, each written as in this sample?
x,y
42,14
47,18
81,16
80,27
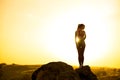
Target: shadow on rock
x,y
85,73
62,71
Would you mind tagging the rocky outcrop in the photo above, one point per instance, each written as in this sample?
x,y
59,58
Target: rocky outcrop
x,y
85,73
62,71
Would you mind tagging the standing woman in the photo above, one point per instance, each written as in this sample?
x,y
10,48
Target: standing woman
x,y
80,36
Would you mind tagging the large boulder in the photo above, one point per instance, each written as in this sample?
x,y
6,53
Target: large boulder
x,y
85,73
61,71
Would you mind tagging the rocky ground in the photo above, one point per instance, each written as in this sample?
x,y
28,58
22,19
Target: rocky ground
x,y
63,71
57,71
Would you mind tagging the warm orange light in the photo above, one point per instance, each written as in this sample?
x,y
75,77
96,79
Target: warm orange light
x,y
77,39
36,32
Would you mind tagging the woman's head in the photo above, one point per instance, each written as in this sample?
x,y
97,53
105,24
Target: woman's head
x,y
81,26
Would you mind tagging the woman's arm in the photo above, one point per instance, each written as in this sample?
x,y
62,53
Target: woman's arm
x,y
85,36
75,35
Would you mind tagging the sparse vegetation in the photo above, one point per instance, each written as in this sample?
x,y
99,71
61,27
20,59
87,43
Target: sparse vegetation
x,y
107,73
24,72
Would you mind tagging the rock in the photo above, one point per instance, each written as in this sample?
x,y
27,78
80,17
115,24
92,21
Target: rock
x,y
85,73
55,71
62,71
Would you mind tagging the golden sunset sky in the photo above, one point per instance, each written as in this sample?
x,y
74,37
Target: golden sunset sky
x,y
42,31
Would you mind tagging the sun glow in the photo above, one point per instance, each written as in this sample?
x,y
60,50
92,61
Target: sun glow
x,y
40,32
77,39
62,36
61,42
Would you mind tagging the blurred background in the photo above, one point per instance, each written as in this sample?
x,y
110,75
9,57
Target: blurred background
x,y
42,31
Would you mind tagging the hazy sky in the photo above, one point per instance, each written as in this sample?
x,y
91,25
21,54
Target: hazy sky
x,y
41,31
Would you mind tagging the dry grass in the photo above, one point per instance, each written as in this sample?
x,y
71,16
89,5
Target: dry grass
x,y
23,72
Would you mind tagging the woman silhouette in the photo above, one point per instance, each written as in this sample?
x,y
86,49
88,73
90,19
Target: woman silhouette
x,y
80,37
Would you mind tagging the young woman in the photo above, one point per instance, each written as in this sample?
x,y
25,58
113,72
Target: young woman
x,y
80,37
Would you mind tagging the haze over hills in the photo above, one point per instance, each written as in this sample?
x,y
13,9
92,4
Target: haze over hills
x,y
24,72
